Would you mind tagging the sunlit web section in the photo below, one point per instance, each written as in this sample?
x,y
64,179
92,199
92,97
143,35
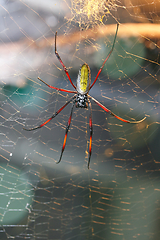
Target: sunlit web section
x,y
90,13
118,198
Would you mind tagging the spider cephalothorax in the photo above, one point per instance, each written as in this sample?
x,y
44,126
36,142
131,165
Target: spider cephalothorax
x,y
81,97
81,100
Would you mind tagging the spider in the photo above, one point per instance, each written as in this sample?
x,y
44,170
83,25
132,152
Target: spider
x,y
81,98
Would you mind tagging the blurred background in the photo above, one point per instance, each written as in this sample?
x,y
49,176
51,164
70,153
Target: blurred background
x,y
118,197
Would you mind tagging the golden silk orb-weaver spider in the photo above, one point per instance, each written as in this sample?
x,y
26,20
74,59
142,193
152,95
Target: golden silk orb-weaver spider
x,y
81,98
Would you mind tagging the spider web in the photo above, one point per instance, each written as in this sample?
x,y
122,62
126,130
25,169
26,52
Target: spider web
x,y
118,197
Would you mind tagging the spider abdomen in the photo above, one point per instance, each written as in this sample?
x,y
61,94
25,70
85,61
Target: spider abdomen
x,y
81,100
84,79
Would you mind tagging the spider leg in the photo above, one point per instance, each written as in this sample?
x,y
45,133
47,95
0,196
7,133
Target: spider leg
x,y
111,113
64,67
100,70
66,133
59,89
53,116
91,132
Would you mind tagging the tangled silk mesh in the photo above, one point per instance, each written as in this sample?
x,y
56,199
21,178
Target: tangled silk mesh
x,y
90,13
118,197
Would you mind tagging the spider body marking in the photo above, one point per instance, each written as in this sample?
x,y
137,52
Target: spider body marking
x,y
81,98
